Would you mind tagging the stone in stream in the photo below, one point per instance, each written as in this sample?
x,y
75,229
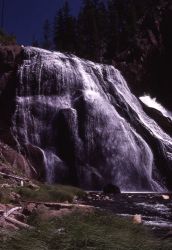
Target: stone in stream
x,y
111,189
137,219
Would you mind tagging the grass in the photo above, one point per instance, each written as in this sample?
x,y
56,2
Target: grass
x,y
50,193
77,231
96,231
44,193
4,196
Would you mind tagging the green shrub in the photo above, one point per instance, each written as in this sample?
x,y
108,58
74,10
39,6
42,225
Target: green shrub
x,y
5,195
6,39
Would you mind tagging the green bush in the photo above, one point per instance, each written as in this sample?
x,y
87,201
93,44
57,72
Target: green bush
x,y
4,195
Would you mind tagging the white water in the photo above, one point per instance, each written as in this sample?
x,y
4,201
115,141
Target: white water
x,y
152,103
112,150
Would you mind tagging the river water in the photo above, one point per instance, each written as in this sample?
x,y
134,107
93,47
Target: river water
x,y
155,210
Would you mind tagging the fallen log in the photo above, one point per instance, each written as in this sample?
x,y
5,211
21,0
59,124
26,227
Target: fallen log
x,y
60,205
14,177
13,220
12,210
18,223
67,205
5,185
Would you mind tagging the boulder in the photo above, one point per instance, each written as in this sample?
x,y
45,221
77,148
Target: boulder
x,y
111,189
137,219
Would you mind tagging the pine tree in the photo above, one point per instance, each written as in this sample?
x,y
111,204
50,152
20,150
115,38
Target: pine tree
x,y
59,30
102,24
46,35
91,29
65,37
112,31
122,26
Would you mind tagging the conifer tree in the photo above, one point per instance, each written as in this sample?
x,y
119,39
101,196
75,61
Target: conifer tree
x,y
91,29
65,37
122,25
112,31
59,30
35,42
47,35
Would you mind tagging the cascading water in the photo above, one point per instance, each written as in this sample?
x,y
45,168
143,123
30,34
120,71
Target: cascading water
x,y
152,103
88,126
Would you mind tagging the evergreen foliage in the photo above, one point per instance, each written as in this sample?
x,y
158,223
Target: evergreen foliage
x,y
6,39
47,35
35,42
103,30
92,26
65,35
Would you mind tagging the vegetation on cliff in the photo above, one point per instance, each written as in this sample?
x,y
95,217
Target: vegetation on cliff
x,y
6,39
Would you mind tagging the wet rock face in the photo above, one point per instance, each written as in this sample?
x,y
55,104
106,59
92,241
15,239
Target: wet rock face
x,y
10,57
12,162
78,123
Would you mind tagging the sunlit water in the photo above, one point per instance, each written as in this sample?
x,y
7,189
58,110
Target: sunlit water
x,y
83,118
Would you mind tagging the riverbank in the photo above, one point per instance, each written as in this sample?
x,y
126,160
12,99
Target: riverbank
x,y
96,230
155,209
36,216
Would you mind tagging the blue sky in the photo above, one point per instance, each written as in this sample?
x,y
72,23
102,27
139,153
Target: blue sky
x,y
25,18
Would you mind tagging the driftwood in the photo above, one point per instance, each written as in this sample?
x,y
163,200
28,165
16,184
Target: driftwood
x,y
60,205
66,205
12,210
5,185
18,223
5,215
14,177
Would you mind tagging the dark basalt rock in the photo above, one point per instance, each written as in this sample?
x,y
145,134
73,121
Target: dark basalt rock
x,y
111,189
10,58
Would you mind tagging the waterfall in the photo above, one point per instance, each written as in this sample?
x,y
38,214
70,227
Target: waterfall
x,y
89,127
152,103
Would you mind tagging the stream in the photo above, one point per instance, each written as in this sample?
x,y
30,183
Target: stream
x,y
154,208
